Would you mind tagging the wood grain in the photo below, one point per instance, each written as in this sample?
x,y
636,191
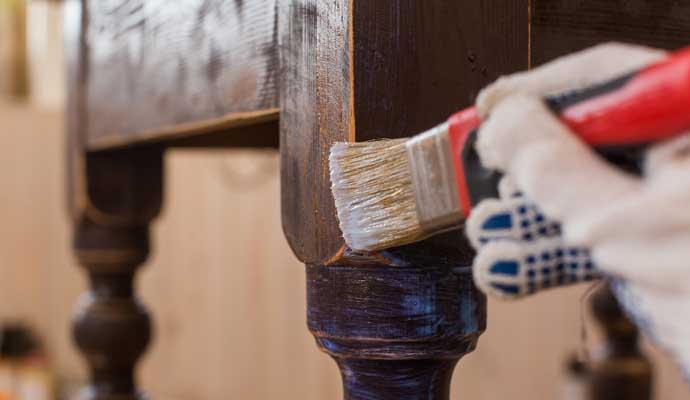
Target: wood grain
x,y
315,111
153,64
563,26
396,333
112,198
418,62
361,70
110,187
396,322
240,129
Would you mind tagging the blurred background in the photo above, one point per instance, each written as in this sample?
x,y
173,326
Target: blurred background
x,y
226,294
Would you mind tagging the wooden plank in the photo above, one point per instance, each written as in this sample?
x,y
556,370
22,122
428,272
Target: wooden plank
x,y
152,65
315,100
361,70
242,129
257,135
563,26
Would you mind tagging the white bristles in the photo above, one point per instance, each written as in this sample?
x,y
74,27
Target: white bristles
x,y
374,194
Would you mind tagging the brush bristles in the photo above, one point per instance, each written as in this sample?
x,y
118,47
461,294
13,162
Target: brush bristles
x,y
374,197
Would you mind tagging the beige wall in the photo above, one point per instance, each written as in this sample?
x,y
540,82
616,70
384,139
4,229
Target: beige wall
x,y
227,295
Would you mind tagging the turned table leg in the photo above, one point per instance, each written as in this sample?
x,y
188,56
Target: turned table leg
x,y
113,198
111,327
622,370
395,332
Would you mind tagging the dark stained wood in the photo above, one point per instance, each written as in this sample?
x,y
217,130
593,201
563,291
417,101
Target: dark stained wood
x,y
315,111
122,193
563,26
622,372
396,333
360,70
384,379
111,327
112,197
151,65
256,135
417,62
396,321
255,129
110,188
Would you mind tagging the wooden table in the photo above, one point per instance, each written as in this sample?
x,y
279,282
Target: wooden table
x,y
298,75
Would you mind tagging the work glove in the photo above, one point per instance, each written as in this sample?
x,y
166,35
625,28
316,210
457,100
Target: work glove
x,y
521,250
566,215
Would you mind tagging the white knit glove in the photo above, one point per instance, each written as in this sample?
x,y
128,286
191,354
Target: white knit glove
x,y
521,250
637,229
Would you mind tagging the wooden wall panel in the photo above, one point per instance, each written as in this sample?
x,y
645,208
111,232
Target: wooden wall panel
x,y
230,304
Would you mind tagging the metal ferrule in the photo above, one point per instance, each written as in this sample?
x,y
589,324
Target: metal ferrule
x,y
433,179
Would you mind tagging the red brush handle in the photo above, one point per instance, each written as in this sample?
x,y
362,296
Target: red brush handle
x,y
651,105
643,107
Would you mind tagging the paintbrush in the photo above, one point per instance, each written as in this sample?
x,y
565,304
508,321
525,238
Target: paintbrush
x,y
394,192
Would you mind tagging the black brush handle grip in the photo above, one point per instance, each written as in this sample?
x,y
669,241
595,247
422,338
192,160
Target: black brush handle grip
x,y
482,183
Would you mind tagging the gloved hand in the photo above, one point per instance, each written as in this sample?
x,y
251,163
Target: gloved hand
x,y
637,229
521,250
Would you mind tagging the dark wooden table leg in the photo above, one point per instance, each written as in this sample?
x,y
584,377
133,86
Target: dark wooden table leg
x,y
621,371
114,197
396,333
396,322
111,327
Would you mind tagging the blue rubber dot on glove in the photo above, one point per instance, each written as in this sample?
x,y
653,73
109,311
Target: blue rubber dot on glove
x,y
505,268
506,288
498,221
